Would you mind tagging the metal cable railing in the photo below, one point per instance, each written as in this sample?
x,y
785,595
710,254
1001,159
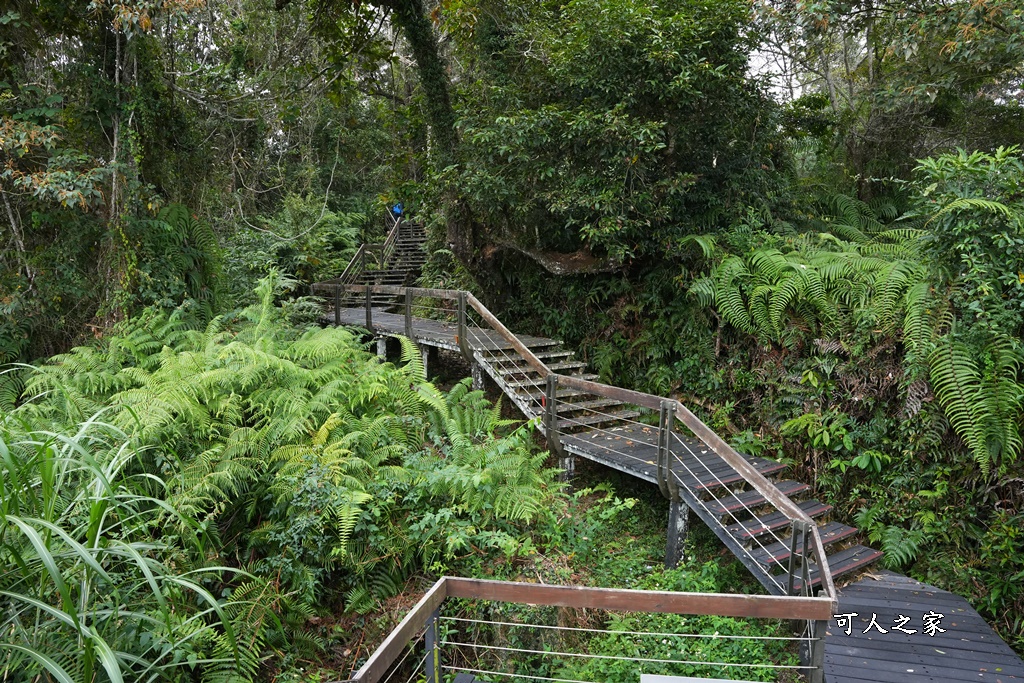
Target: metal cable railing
x,y
723,509
546,652
473,338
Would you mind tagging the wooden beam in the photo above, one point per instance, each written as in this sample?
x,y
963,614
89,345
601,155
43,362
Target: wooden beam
x,y
727,605
388,652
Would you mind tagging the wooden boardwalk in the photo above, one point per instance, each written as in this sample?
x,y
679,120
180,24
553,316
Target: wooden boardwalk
x,y
968,650
625,437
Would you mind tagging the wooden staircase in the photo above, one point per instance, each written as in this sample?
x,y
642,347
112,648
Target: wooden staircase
x,y
762,517
395,262
738,514
402,263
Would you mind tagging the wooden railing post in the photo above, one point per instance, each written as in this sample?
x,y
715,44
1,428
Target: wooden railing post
x,y
337,305
433,661
369,308
408,313
464,347
551,415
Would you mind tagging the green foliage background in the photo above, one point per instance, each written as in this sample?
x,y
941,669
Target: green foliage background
x,y
803,219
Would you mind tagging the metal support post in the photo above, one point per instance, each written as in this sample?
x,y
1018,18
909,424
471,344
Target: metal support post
x,y
433,661
817,654
429,356
369,309
551,414
464,347
798,558
408,313
678,523
667,483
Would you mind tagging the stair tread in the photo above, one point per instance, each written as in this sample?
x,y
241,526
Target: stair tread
x,y
843,562
756,526
526,369
752,498
596,419
709,482
560,394
830,533
558,352
570,407
536,382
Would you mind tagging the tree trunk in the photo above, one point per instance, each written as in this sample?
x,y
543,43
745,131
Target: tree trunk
x,y
464,232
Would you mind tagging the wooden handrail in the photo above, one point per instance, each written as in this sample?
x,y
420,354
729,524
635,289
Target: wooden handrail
x,y
584,597
754,478
512,339
389,243
758,481
350,268
628,600
385,655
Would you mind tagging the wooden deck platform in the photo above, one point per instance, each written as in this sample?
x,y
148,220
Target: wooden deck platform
x,y
969,650
432,332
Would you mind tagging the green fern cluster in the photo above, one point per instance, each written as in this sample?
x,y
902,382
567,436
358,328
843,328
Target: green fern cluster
x,y
981,396
863,267
848,271
297,454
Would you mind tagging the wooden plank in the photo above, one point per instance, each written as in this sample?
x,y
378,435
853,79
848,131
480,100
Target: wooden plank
x,y
930,671
753,499
845,672
881,600
760,606
915,645
625,395
383,657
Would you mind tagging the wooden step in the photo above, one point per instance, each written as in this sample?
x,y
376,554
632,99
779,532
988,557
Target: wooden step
x,y
561,395
539,382
752,499
543,353
711,481
602,404
758,526
842,562
596,419
832,532
524,369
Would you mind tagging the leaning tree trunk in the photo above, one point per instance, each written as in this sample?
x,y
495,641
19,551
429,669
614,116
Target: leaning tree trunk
x,y
464,234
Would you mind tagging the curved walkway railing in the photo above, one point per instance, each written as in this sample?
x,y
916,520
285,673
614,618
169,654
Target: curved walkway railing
x,y
471,320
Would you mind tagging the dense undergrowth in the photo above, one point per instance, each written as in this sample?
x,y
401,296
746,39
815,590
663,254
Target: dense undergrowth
x,y
874,345
180,502
237,501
